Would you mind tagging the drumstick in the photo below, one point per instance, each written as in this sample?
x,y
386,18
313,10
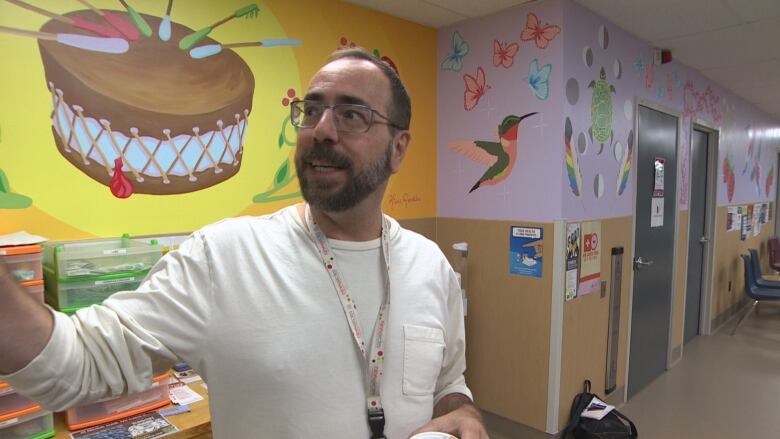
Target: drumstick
x,y
192,39
119,23
76,21
213,49
95,44
164,32
138,21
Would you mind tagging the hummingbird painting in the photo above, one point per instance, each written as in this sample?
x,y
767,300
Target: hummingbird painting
x,y
498,156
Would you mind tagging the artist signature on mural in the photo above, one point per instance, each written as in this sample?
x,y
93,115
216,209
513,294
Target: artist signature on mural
x,y
405,200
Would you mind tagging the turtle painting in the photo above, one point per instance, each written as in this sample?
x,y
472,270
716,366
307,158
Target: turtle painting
x,y
601,110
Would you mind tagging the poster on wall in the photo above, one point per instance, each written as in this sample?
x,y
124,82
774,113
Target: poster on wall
x,y
657,212
572,260
590,261
658,186
525,251
745,225
758,209
733,219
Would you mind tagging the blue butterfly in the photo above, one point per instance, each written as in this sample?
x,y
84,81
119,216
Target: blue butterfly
x,y
639,65
539,80
660,92
677,81
454,60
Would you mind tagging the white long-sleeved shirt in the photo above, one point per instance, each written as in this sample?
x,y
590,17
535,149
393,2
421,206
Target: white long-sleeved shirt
x,y
249,305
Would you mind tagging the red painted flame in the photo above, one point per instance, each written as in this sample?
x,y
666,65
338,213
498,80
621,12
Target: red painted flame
x,y
120,185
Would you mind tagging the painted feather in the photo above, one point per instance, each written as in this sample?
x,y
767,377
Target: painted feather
x,y
572,164
625,167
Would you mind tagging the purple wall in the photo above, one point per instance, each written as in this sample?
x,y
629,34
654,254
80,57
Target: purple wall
x,y
531,189
673,86
539,186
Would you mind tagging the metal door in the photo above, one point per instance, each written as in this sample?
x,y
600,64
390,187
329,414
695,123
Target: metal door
x,y
653,247
697,232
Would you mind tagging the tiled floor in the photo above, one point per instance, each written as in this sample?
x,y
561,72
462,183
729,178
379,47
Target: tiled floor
x,y
724,387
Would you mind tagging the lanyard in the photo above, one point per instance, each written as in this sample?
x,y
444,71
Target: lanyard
x,y
376,415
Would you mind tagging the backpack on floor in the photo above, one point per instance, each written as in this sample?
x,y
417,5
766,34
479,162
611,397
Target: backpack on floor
x,y
614,425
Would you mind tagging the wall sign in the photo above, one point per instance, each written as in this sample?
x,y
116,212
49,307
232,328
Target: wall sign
x,y
525,251
658,187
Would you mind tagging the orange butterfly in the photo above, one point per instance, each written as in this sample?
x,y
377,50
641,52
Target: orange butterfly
x,y
475,89
541,34
504,55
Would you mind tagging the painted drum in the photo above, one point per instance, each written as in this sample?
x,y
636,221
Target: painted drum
x,y
433,435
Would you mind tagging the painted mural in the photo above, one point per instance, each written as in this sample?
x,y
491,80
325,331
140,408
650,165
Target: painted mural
x,y
499,96
595,53
153,117
582,76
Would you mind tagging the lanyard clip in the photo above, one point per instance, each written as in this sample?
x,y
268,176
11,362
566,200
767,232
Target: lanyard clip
x,y
376,420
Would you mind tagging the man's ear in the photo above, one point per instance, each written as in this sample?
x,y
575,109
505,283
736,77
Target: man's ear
x,y
400,144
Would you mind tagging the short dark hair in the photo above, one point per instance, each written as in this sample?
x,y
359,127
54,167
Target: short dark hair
x,y
400,111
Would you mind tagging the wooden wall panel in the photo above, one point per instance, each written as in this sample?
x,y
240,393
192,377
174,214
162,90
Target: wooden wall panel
x,y
508,321
424,226
680,282
728,283
586,319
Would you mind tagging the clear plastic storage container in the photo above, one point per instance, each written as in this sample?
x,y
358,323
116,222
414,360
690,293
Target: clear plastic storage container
x,y
69,296
34,423
24,261
122,407
12,402
99,257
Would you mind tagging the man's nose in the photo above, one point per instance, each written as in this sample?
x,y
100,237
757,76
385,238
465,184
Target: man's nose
x,y
326,131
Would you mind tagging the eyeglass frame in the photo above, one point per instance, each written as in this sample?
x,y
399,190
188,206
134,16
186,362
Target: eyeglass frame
x,y
332,107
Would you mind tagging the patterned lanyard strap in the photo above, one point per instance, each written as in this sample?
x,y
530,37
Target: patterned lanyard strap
x,y
376,415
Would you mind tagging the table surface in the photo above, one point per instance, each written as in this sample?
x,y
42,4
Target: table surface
x,y
193,425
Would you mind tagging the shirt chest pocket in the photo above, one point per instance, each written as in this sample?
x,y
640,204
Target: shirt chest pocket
x,y
423,356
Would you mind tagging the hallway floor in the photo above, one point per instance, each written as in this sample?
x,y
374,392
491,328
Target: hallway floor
x,y
723,388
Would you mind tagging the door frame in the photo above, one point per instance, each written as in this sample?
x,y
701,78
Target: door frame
x,y
710,224
639,101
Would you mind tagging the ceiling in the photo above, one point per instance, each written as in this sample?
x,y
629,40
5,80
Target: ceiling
x,y
736,43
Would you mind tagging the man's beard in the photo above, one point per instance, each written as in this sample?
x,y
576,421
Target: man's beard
x,y
356,189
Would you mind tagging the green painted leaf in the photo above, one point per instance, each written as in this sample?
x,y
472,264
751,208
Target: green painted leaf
x,y
281,174
4,186
281,140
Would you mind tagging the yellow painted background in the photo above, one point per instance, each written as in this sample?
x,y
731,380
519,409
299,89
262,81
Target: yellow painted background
x,y
69,205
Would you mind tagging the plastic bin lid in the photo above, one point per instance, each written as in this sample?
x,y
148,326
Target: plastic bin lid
x,y
20,413
32,283
20,249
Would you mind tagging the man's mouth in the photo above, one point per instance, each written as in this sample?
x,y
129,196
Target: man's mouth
x,y
324,166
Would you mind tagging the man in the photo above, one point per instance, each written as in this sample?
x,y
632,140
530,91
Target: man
x,y
324,319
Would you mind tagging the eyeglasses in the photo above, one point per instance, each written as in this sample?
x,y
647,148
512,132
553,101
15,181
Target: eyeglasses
x,y
350,118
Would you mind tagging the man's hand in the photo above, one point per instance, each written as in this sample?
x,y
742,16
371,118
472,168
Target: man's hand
x,y
457,415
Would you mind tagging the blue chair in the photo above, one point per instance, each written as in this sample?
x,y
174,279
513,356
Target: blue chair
x,y
753,291
755,262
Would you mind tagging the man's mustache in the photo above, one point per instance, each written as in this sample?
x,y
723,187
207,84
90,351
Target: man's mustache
x,y
321,152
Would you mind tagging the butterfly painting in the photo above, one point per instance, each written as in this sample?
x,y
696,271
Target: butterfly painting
x,y
504,54
460,48
539,80
540,34
639,65
475,89
649,76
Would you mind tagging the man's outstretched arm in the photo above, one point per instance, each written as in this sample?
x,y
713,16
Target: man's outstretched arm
x,y
25,325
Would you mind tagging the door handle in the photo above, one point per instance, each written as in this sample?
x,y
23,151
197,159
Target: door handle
x,y
704,240
640,263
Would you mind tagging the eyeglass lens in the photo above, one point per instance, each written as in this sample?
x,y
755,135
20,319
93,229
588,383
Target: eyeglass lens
x,y
349,117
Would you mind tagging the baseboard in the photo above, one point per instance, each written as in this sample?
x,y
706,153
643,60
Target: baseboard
x,y
616,397
722,318
676,355
499,427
